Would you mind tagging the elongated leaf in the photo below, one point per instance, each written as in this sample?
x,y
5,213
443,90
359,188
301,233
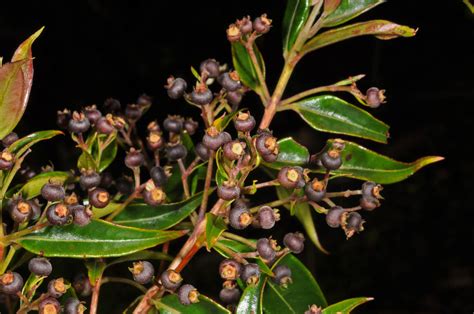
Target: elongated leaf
x,y
290,153
141,255
364,164
349,9
379,28
214,228
251,299
157,217
345,306
86,161
22,144
108,156
295,17
33,187
171,305
303,292
330,6
95,269
331,114
97,239
244,66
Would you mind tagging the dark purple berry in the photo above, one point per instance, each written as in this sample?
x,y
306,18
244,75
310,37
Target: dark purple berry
x,y
58,214
106,180
40,266
229,269
142,271
153,196
187,295
99,197
104,126
49,306
331,160
245,25
371,189
191,126
267,217
267,146
124,185
354,222
262,24
79,123
89,179
333,217
92,114
35,209
230,81
266,249
229,295
213,139
112,105
244,122
82,285
6,160
294,242
176,87
369,203
202,151
158,175
282,275
133,112
173,124
240,217
134,159
201,96
81,214
228,191
20,211
10,139
234,98
11,282
62,119
211,66
57,287
250,273
315,190
171,279
73,306
291,177
53,192
233,150
155,141
375,97
176,151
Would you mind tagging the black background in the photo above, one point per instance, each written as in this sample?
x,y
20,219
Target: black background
x,y
415,255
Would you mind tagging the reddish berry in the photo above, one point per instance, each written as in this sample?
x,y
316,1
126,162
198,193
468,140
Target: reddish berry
x,y
81,214
230,81
245,25
234,97
262,24
155,141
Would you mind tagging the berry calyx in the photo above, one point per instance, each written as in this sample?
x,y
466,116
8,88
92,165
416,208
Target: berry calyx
x,y
234,150
331,160
201,95
282,275
315,190
262,24
229,269
211,67
49,306
250,273
6,160
187,294
240,217
176,87
11,282
79,123
267,146
291,177
99,197
57,287
233,33
20,210
153,195
73,306
171,279
58,214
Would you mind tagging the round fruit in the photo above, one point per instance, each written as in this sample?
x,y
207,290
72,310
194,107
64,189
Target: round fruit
x,y
250,273
228,191
240,217
191,126
171,279
202,151
354,222
79,123
40,266
62,119
187,294
154,140
265,249
6,160
20,211
154,196
142,271
173,124
58,214
234,150
315,190
229,269
158,175
266,217
99,197
331,160
124,185
73,306
282,275
291,177
234,97
176,151
262,24
294,242
374,97
233,33
57,287
211,66
53,192
176,87
245,25
229,295
244,122
11,282
49,306
81,214
89,179
333,217
82,285
92,114
201,96
230,81
134,159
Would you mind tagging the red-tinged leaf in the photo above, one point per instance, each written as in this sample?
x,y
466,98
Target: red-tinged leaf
x,y
330,6
379,28
345,306
348,10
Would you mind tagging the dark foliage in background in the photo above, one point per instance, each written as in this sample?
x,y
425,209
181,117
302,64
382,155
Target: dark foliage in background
x,y
415,254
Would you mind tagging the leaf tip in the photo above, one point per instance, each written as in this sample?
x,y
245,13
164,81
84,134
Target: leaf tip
x,y
424,161
369,299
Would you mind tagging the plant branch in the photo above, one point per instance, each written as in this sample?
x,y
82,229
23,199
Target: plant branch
x,y
330,88
124,205
240,239
184,178
207,186
95,295
125,281
249,45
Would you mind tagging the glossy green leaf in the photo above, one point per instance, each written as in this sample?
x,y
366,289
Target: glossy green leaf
x,y
364,164
30,286
21,145
171,305
33,187
349,9
86,161
331,114
303,213
345,306
141,255
296,14
198,174
214,227
101,212
234,246
95,269
16,79
108,156
290,153
330,6
160,217
97,239
244,66
303,292
251,299
223,121
379,28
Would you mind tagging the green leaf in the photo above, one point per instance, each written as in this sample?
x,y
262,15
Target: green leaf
x,y
95,269
214,227
303,292
33,187
223,121
364,164
16,79
86,161
21,145
108,155
101,212
290,153
234,246
244,66
330,6
251,299
345,306
157,217
30,286
331,114
198,174
379,28
296,14
141,255
349,9
97,239
303,213
171,305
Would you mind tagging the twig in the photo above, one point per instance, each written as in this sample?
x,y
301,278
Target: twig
x,y
124,205
343,193
240,239
207,186
125,281
95,296
184,178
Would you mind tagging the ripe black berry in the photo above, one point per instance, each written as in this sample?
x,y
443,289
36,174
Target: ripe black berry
x,y
229,269
245,25
20,210
250,273
369,203
265,249
124,185
262,24
229,295
58,214
40,266
73,306
79,123
99,197
234,150
202,151
173,124
201,95
211,66
315,190
81,214
213,139
240,217
176,151
354,222
89,179
153,196
6,160
294,242
92,114
82,285
112,105
158,175
191,126
9,139
267,217
53,192
244,122
375,97
333,217
228,191
176,87
267,146
133,112
187,294
331,160
134,159
371,189
62,118
49,306
234,97
230,81
282,275
291,177
11,282
171,280
142,271
57,287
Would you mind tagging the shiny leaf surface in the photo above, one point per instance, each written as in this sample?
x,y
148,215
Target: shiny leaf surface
x,y
22,144
244,66
349,9
214,227
251,299
33,187
171,305
296,14
290,153
345,306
